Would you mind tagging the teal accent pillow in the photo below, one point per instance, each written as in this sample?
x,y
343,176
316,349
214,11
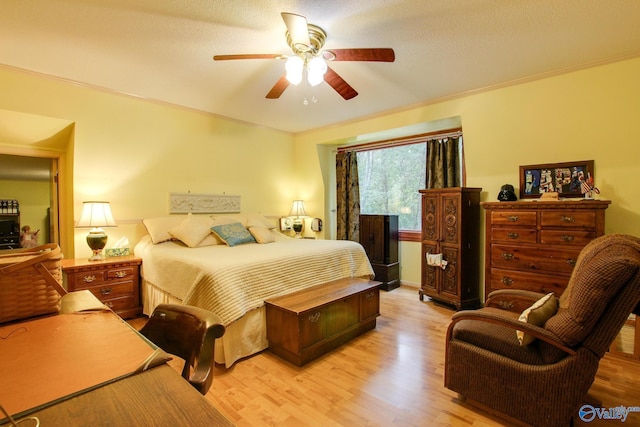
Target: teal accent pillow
x,y
233,234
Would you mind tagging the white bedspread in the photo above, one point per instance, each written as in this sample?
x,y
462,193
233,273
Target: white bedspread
x,y
230,281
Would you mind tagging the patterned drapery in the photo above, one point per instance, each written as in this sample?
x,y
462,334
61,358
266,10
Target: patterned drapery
x,y
348,195
444,163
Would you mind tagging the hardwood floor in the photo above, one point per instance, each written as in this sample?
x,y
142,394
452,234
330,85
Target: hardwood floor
x,y
391,376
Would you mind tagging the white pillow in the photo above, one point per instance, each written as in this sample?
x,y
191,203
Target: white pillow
x,y
262,234
227,219
537,314
257,220
192,230
158,228
210,240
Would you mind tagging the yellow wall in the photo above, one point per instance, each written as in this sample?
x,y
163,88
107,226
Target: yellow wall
x,y
582,115
133,153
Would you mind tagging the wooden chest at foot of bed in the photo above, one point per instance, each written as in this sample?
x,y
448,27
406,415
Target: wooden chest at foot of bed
x,y
308,323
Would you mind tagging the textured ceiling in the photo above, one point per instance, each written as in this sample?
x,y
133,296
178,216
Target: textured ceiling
x,y
162,49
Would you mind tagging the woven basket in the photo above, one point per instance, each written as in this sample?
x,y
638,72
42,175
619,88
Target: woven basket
x,y
30,282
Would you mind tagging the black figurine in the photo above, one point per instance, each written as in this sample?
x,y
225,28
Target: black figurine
x,y
507,193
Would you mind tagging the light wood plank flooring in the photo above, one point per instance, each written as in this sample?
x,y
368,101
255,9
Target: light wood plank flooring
x,y
391,376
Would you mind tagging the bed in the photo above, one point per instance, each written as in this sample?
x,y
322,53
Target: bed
x,y
185,262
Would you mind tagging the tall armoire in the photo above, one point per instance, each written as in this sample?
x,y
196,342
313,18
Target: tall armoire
x,y
451,246
379,236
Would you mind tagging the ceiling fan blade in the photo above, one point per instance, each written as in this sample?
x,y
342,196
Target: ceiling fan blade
x,y
298,30
249,56
278,88
336,82
365,54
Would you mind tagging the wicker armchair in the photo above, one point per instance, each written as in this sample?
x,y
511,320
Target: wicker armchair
x,y
546,381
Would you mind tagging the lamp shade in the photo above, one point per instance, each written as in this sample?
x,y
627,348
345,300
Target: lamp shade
x,y
96,215
297,209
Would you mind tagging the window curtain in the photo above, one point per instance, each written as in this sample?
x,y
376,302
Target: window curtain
x,y
444,163
348,195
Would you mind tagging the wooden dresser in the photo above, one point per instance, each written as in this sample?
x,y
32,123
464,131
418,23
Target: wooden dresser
x,y
379,237
115,281
451,228
534,245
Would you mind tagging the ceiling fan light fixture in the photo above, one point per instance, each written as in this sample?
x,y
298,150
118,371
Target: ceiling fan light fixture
x,y
316,69
294,67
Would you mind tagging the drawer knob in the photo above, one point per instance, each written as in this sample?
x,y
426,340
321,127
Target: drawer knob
x,y
120,274
567,238
513,218
90,278
313,318
571,262
109,304
513,235
507,256
507,281
370,295
567,219
506,305
105,291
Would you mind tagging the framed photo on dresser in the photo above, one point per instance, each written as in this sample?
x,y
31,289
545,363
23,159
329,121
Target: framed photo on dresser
x,y
563,178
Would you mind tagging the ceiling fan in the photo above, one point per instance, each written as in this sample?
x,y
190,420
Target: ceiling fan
x,y
306,41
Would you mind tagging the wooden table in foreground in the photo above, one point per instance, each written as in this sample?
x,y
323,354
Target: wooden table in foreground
x,y
90,368
157,397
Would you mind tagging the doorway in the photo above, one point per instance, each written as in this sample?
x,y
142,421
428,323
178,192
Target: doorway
x,y
29,189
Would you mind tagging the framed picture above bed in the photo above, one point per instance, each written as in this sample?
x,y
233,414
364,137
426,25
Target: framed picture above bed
x,y
180,203
563,178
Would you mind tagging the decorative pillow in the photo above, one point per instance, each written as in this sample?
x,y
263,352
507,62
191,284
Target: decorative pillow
x,y
537,314
227,219
192,230
257,220
262,235
158,228
233,234
210,240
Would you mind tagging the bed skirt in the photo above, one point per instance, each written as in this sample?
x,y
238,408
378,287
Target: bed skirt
x,y
242,338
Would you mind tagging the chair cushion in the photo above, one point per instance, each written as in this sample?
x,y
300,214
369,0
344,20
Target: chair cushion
x,y
603,267
497,339
537,314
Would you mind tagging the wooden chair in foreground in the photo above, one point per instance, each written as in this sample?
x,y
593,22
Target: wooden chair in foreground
x,y
545,379
189,333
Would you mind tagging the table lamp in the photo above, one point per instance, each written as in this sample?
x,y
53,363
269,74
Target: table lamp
x,y
96,215
298,211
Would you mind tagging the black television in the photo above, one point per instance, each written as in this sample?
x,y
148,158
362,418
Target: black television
x,y
9,227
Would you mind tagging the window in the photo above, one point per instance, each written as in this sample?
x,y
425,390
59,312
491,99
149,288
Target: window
x,y
389,181
390,176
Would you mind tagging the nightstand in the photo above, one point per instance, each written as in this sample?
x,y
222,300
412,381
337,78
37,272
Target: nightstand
x,y
115,281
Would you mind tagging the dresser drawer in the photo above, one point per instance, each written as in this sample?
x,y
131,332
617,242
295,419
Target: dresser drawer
x,y
87,279
567,237
513,279
106,291
520,218
122,303
545,259
121,273
520,235
585,219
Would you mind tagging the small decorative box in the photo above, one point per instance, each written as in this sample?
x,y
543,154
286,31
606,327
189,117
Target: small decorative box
x,y
117,252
